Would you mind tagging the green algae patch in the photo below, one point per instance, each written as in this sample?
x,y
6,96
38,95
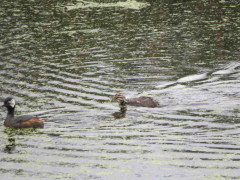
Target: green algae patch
x,y
130,4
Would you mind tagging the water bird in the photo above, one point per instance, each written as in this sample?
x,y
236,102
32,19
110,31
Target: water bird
x,y
25,121
142,101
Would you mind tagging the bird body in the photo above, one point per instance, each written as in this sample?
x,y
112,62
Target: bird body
x,y
142,101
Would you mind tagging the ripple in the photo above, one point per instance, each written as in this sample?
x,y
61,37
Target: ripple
x,y
65,66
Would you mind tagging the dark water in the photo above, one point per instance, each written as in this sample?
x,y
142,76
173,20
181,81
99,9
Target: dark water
x,y
64,60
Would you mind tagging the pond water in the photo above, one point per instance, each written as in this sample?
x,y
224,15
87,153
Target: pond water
x,y
63,61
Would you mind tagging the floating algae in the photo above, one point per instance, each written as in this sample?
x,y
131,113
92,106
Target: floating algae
x,y
130,4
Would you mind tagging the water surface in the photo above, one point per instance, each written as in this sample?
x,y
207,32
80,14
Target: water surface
x,y
64,60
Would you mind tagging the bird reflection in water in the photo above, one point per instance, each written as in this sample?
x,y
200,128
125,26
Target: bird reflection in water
x,y
120,114
12,133
11,145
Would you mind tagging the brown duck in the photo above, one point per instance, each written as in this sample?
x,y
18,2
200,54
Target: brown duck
x,y
142,101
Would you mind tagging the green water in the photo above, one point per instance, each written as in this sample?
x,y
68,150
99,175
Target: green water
x,y
64,60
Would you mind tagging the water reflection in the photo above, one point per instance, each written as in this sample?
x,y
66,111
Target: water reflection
x,y
120,114
66,65
12,134
10,147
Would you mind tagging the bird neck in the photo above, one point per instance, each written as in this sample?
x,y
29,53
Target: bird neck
x,y
9,121
10,114
123,108
122,102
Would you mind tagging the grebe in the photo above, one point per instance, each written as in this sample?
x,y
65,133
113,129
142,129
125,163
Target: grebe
x,y
143,101
26,121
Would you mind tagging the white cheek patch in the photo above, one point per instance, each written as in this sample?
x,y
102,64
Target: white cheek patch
x,y
12,103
